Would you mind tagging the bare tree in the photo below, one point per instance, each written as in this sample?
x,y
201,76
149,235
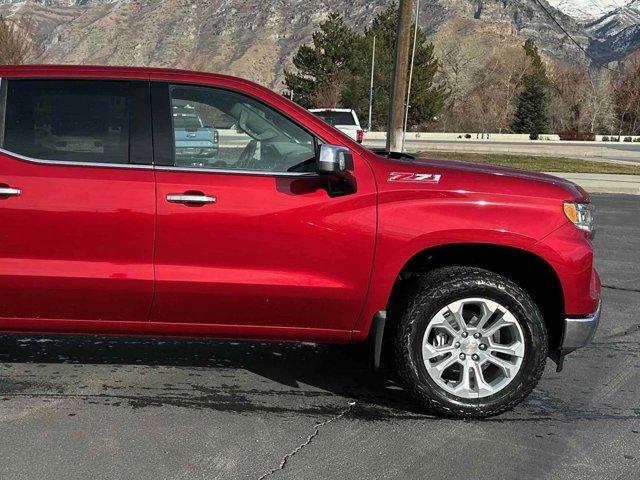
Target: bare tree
x,y
504,73
600,114
582,101
569,90
15,41
627,97
329,94
461,58
483,83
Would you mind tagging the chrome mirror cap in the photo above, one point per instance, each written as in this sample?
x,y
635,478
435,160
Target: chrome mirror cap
x,y
334,159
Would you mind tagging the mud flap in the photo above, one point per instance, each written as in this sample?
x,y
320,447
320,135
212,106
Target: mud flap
x,y
377,333
557,357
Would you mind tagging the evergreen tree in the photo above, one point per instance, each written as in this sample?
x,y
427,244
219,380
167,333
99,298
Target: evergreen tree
x,y
334,71
531,110
426,98
324,67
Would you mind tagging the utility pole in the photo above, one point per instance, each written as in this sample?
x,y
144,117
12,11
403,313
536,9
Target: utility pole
x,y
413,59
373,65
398,91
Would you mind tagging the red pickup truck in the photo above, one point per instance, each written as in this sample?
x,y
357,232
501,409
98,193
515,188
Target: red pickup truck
x,y
467,277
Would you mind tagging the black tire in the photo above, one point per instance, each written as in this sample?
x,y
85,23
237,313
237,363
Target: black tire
x,y
434,291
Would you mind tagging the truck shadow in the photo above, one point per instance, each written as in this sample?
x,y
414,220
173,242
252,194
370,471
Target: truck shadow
x,y
331,374
250,378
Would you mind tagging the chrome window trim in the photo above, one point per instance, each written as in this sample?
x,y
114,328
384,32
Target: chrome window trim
x,y
231,171
157,167
74,164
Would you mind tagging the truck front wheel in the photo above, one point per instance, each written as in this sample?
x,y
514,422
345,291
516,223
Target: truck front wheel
x,y
471,343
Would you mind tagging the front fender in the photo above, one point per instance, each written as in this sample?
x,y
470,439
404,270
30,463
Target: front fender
x,y
409,225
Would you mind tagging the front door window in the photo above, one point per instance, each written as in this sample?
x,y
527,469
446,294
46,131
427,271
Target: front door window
x,y
223,130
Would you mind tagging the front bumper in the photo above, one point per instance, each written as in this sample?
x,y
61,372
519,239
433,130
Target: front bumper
x,y
578,332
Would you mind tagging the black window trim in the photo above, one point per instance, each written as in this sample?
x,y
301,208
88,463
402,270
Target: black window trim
x,y
3,108
164,148
137,121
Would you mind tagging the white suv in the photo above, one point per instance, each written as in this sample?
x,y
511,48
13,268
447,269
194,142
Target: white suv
x,y
343,119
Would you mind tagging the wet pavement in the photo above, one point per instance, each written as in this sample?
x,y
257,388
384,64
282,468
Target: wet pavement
x,y
128,408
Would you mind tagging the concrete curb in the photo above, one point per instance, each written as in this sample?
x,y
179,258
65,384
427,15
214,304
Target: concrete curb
x,y
497,137
604,183
614,152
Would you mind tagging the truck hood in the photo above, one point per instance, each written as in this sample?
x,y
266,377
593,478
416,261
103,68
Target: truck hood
x,y
459,175
494,170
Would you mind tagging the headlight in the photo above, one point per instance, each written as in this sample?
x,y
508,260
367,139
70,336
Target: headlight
x,y
581,215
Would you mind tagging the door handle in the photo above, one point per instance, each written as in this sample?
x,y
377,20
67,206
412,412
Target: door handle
x,y
9,192
190,198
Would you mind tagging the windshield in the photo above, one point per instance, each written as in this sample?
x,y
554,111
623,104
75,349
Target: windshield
x,y
336,118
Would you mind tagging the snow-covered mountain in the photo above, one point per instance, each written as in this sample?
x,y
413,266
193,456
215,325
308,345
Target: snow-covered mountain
x,y
588,10
613,26
615,32
615,21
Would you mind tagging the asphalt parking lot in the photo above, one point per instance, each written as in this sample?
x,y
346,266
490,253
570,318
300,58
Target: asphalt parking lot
x,y
105,408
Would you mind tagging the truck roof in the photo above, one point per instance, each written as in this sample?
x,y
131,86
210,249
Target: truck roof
x,y
98,72
101,70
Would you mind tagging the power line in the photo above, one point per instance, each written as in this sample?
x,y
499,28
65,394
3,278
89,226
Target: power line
x,y
541,5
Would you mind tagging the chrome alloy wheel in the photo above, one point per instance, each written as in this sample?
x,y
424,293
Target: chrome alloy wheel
x,y
473,348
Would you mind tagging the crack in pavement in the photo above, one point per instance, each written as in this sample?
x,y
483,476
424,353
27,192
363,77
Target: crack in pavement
x,y
622,289
316,432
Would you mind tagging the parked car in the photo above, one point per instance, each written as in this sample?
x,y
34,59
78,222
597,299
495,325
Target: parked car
x,y
343,119
468,277
196,144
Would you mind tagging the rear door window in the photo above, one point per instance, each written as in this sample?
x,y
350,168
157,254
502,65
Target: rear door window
x,y
68,120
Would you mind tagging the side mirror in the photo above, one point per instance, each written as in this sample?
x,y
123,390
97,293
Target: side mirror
x,y
335,164
334,159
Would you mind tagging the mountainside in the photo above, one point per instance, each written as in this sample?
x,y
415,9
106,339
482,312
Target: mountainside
x,y
257,39
587,10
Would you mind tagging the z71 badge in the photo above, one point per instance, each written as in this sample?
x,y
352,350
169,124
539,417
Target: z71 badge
x,y
414,177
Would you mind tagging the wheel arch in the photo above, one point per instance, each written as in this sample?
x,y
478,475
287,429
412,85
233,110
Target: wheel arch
x,y
533,273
